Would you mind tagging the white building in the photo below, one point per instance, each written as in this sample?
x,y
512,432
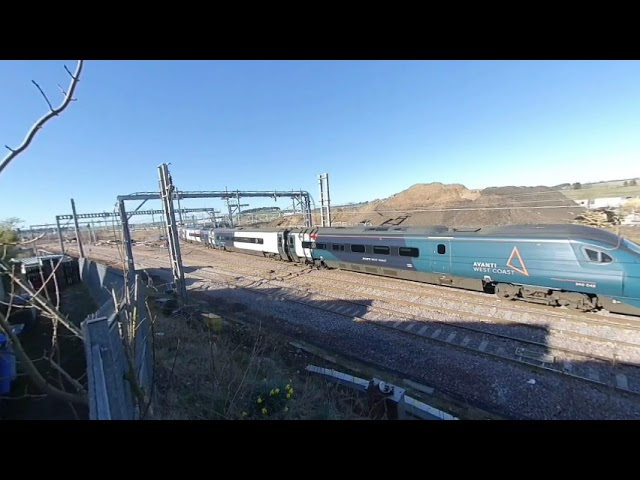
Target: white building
x,y
631,219
604,202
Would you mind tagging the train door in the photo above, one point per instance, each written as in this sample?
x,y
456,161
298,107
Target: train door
x,y
291,247
309,235
282,250
441,256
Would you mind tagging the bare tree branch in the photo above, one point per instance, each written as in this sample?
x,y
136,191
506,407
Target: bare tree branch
x,y
38,300
33,240
43,94
13,153
33,372
68,377
44,304
17,345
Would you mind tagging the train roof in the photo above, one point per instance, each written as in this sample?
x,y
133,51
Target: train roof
x,y
542,231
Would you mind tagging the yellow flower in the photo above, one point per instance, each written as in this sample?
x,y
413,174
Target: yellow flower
x,y
288,395
291,392
245,414
259,399
286,409
272,393
287,387
277,391
264,411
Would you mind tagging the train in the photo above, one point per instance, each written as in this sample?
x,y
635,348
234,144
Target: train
x,y
574,266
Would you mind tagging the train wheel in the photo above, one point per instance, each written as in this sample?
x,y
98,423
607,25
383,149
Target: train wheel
x,y
506,291
576,301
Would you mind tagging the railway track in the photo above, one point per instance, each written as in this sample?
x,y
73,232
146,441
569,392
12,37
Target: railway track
x,y
601,372
608,336
468,297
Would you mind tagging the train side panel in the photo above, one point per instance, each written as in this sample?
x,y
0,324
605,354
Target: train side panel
x,y
554,264
390,255
260,242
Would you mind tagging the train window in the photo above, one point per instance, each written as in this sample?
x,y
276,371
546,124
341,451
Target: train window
x,y
409,252
357,248
441,249
596,256
380,250
259,241
591,254
321,246
338,247
306,244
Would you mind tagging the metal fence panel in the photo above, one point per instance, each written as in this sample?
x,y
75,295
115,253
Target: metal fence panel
x,y
110,393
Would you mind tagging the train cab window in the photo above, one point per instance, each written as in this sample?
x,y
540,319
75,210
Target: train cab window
x,y
306,244
338,247
409,252
380,250
357,248
596,256
591,254
441,249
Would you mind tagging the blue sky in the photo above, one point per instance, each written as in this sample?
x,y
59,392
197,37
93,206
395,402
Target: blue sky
x,y
377,127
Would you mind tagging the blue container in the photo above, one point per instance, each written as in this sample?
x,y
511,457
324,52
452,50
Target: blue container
x,y
7,365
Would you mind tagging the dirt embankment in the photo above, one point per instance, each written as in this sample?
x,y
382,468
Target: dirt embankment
x,y
455,205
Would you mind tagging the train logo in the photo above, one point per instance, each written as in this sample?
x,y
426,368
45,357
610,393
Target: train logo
x,y
523,268
487,267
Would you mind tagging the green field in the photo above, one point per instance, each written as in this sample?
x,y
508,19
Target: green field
x,y
602,191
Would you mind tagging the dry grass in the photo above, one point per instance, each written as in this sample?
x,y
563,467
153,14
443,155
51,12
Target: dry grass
x,y
602,191
238,372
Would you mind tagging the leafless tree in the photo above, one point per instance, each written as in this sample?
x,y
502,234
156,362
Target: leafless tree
x,y
39,299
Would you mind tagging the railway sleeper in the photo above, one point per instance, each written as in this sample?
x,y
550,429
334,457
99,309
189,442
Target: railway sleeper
x,y
545,296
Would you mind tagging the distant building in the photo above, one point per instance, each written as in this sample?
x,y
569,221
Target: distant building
x,y
631,219
604,202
